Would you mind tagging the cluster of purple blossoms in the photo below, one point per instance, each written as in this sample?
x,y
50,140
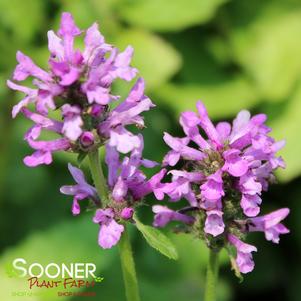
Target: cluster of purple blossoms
x,y
127,186
222,177
78,85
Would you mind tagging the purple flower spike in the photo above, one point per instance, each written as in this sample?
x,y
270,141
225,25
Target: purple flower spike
x,y
77,85
223,171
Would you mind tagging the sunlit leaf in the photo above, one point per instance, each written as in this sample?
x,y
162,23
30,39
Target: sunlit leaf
x,y
14,17
155,58
165,15
287,127
222,99
268,49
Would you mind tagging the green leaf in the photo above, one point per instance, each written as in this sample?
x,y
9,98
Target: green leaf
x,y
155,58
15,19
81,157
165,15
232,254
157,240
95,11
193,253
268,49
224,99
287,127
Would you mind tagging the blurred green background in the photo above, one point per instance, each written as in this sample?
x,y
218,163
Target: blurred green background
x,y
233,55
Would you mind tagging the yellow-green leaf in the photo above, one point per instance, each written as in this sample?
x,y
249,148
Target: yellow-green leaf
x,y
155,58
166,15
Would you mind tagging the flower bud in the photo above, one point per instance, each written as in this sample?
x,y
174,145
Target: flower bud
x,y
127,213
87,139
96,110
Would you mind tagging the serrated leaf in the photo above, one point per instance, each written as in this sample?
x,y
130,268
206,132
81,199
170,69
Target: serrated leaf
x,y
223,99
165,15
155,58
157,240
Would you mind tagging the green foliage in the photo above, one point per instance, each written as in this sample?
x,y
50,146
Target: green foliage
x,y
232,55
164,15
287,127
156,60
267,48
13,17
157,240
224,100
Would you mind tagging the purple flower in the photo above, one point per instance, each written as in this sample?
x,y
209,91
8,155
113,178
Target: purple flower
x,y
72,122
244,251
110,231
270,224
125,176
164,215
82,190
234,164
214,224
223,172
78,86
212,189
179,149
180,187
126,185
250,204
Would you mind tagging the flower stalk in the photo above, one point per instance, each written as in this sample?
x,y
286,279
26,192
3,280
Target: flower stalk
x,y
128,267
98,176
212,275
125,249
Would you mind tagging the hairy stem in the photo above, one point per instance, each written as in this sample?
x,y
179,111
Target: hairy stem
x,y
128,267
98,176
212,275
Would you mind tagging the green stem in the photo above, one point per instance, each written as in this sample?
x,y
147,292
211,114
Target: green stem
x,y
212,274
98,176
125,249
128,267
